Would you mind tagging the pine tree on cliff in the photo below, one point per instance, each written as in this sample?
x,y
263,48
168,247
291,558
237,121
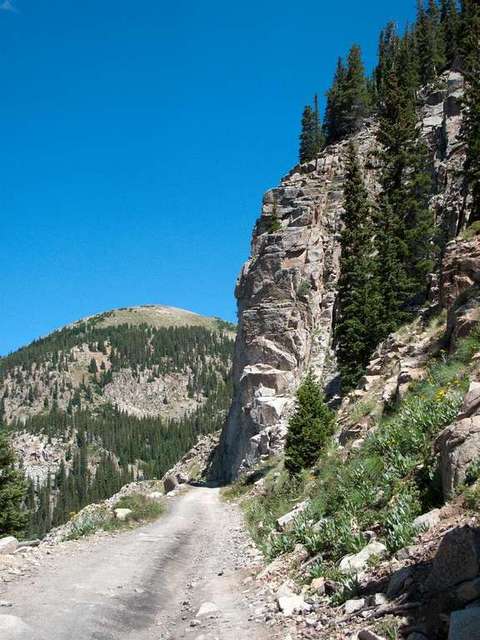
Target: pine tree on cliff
x,y
450,21
311,136
309,428
348,101
13,490
335,108
358,294
471,121
405,223
387,51
356,96
430,43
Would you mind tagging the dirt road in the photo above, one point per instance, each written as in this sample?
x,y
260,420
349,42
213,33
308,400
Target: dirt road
x,y
179,577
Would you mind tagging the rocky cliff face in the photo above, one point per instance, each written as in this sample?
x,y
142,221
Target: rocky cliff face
x,y
286,291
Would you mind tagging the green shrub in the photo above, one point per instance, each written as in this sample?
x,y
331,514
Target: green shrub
x,y
92,518
473,473
275,225
471,231
348,587
398,518
303,289
472,497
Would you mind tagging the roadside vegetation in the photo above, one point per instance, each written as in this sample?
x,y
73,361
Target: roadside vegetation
x,y
100,517
379,487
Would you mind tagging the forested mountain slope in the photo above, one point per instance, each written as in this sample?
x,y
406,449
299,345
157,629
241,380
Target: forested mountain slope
x,y
111,398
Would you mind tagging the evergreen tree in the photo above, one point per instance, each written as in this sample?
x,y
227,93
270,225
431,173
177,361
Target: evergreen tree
x,y
430,43
437,36
451,30
348,101
355,94
387,51
13,490
358,293
405,222
471,122
335,108
309,428
311,136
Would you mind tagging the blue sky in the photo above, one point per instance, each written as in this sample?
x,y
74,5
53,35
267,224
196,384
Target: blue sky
x,y
137,138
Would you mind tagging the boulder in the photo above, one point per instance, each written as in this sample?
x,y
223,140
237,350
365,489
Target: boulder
x,y
378,599
458,446
8,545
290,602
122,514
468,591
427,520
170,484
14,628
465,625
358,561
351,606
318,586
471,402
207,608
366,634
293,603
433,122
399,580
287,521
299,554
455,81
457,559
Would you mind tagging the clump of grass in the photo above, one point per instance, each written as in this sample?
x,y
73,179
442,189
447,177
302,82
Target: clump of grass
x,y
281,493
347,585
389,628
235,490
361,409
143,508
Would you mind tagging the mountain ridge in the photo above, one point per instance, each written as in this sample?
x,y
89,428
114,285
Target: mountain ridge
x,y
111,398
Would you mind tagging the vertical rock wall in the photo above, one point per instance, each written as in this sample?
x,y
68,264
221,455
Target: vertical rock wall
x,y
286,291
